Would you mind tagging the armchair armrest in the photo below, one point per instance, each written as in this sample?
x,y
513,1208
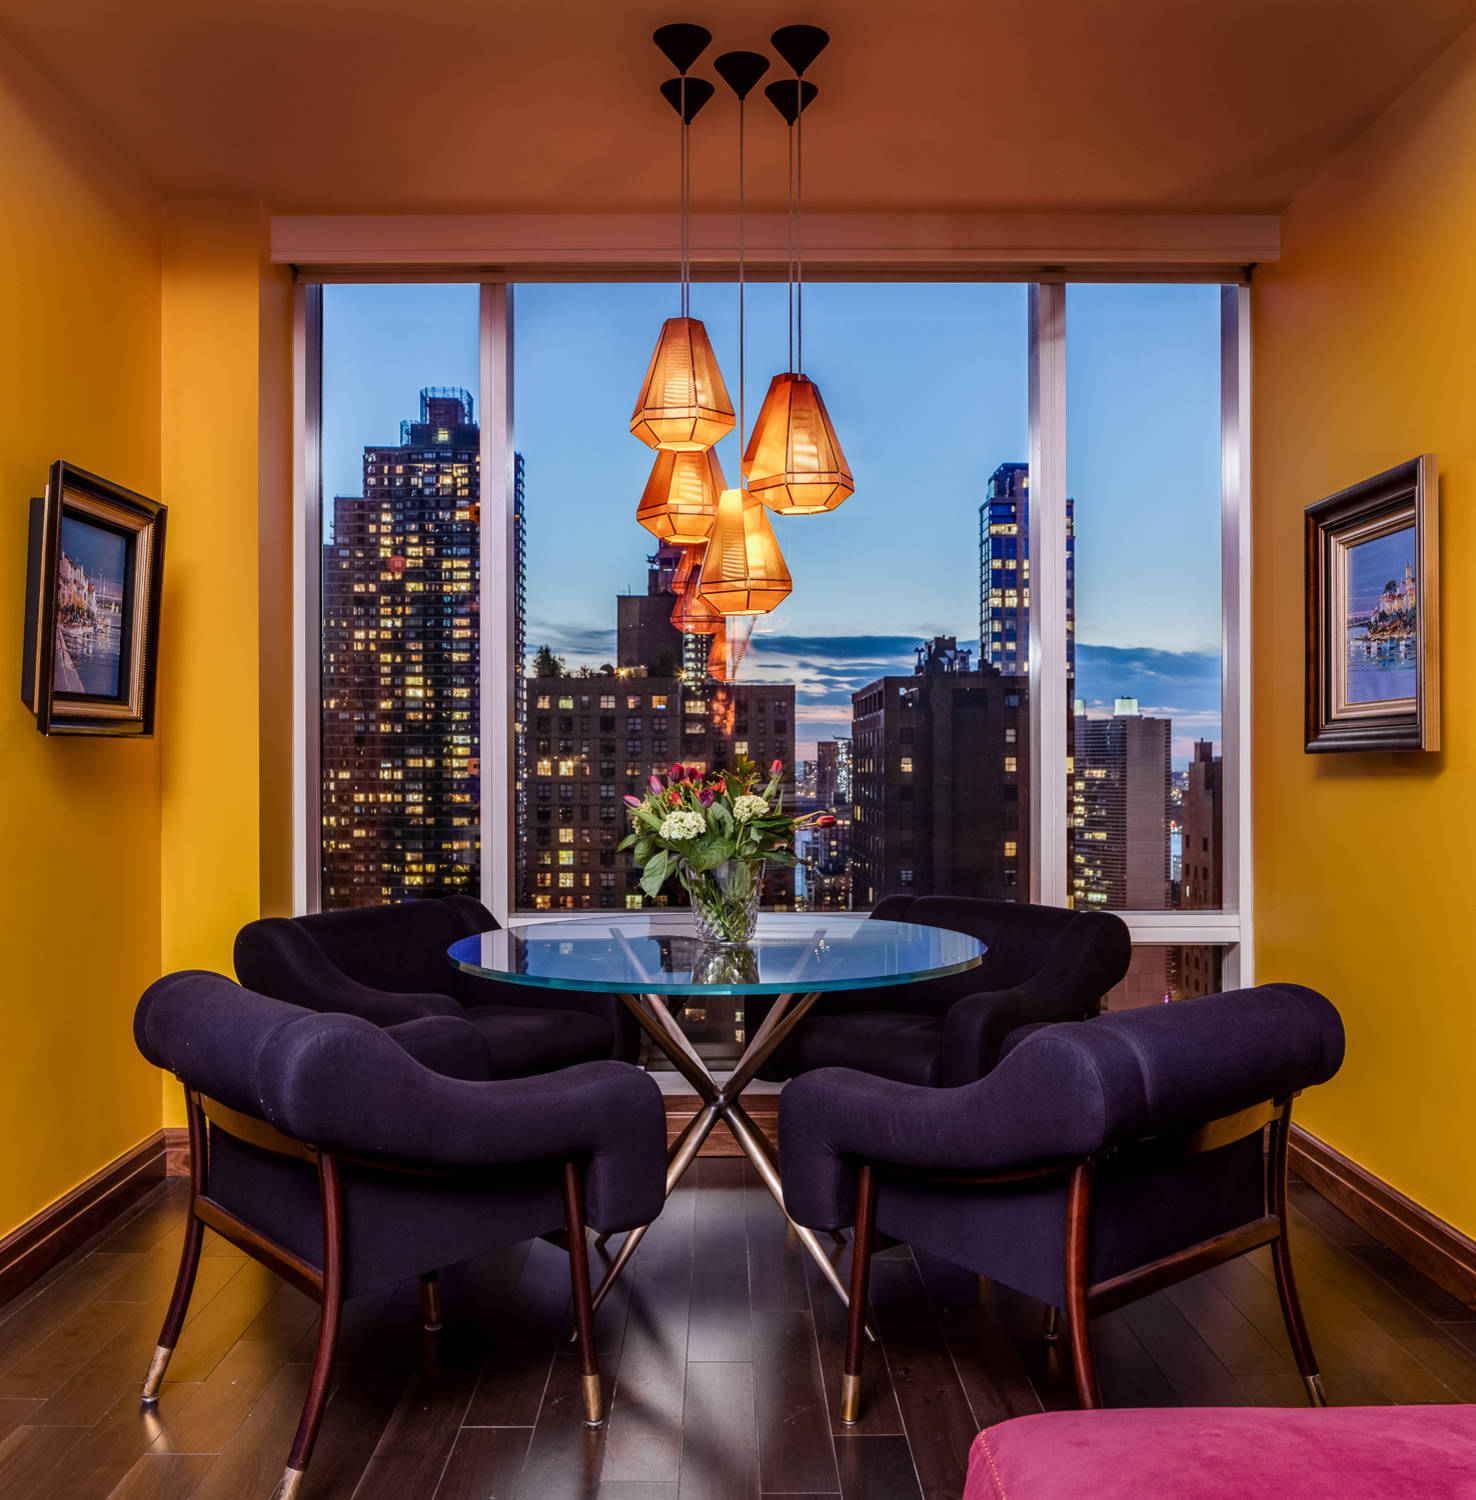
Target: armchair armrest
x,y
276,957
624,1028
976,1027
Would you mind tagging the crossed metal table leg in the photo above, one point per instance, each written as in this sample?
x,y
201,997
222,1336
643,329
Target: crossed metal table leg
x,y
720,1101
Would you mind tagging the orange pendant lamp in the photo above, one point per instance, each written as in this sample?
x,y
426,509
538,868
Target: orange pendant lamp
x,y
684,405
680,497
693,615
794,461
743,571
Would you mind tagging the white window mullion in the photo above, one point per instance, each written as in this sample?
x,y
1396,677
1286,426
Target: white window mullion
x,y
495,543
1049,871
307,633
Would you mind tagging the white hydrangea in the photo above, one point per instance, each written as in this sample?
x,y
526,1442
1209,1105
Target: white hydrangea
x,y
748,806
684,823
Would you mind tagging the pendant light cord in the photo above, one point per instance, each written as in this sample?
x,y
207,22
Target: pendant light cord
x,y
741,366
799,228
682,194
789,237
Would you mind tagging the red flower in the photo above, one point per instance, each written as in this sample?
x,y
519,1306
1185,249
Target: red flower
x,y
632,801
720,785
695,772
674,796
677,773
826,822
776,768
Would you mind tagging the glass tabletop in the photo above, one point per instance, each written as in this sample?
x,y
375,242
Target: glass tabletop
x,y
658,953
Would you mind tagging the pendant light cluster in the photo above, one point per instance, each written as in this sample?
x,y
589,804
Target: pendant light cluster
x,y
793,464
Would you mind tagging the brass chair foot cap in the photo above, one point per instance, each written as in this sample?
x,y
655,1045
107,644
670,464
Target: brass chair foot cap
x,y
850,1412
594,1401
433,1327
155,1378
291,1483
1315,1392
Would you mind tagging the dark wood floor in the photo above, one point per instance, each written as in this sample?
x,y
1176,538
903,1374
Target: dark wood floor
x,y
721,1354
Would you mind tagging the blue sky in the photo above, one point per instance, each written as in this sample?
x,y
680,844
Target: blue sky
x,y
926,384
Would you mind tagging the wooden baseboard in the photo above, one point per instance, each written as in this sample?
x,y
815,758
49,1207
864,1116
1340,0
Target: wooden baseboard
x,y
763,1110
176,1151
1429,1244
30,1251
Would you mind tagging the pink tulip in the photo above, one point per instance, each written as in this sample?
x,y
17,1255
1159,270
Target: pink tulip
x,y
632,801
654,782
776,768
677,773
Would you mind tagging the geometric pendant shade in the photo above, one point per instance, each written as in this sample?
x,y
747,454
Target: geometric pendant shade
x,y
692,614
743,572
794,462
681,497
683,406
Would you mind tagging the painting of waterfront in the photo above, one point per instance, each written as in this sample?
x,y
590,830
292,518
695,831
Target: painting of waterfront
x,y
89,609
1382,621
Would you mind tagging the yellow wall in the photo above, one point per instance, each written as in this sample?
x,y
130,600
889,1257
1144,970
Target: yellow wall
x,y
224,687
1365,355
79,843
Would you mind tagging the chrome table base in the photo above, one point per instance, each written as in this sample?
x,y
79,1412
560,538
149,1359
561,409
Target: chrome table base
x,y
720,1101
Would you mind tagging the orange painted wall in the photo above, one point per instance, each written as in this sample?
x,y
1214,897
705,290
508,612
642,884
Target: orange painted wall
x,y
1365,355
79,843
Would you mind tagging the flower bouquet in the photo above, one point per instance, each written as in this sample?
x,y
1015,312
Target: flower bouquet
x,y
715,835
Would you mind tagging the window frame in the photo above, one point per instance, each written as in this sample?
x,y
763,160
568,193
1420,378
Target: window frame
x,y
1229,929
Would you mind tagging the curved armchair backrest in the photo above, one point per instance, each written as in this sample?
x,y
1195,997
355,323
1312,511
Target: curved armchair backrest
x,y
344,1084
1088,952
398,948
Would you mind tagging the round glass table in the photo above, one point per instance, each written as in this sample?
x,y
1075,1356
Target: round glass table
x,y
648,958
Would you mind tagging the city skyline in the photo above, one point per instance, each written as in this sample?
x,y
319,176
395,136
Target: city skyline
x,y
854,564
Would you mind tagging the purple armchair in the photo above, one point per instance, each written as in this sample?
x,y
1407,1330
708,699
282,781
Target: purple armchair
x,y
1100,1160
388,964
348,1156
1043,963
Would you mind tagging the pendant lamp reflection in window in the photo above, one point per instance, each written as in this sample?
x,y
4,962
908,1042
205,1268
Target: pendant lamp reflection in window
x,y
681,496
693,615
743,571
794,461
684,405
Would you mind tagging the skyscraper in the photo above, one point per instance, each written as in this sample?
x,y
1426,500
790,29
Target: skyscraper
x,y
939,775
1120,811
399,740
1004,573
644,634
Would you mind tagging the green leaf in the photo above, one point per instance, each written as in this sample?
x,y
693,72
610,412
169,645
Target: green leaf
x,y
709,851
721,817
631,840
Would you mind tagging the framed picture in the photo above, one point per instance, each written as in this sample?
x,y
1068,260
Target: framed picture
x,y
1373,602
93,576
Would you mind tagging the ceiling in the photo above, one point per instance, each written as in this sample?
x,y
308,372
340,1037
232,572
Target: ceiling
x,y
552,106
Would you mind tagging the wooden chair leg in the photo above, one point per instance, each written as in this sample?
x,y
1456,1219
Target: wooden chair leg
x,y
189,1259
860,1277
1286,1285
430,1301
1078,1321
327,1347
1050,1329
574,1235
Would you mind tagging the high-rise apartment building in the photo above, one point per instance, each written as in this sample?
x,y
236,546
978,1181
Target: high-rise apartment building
x,y
645,636
1004,573
399,738
593,740
1120,810
939,773
1197,969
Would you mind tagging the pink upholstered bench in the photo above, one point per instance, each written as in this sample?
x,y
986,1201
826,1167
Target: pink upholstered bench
x,y
1230,1453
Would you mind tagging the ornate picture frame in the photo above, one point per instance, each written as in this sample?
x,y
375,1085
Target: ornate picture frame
x,y
93,576
1373,603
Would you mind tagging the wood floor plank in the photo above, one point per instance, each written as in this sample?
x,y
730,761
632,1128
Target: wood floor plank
x,y
252,1459
1125,1370
720,1291
719,1451
935,1412
776,1259
1237,1343
1196,1375
29,1458
485,1464
533,1324
876,1468
203,1418
412,1455
162,1476
564,1456
879,1414
1450,1362
36,1313
994,1379
636,1489
15,1412
1418,1290
790,1416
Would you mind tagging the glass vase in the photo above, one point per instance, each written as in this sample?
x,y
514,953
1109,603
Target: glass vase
x,y
725,901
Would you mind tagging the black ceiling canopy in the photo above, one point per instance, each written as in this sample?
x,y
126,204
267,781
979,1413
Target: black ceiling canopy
x,y
799,46
699,91
683,43
741,70
791,97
